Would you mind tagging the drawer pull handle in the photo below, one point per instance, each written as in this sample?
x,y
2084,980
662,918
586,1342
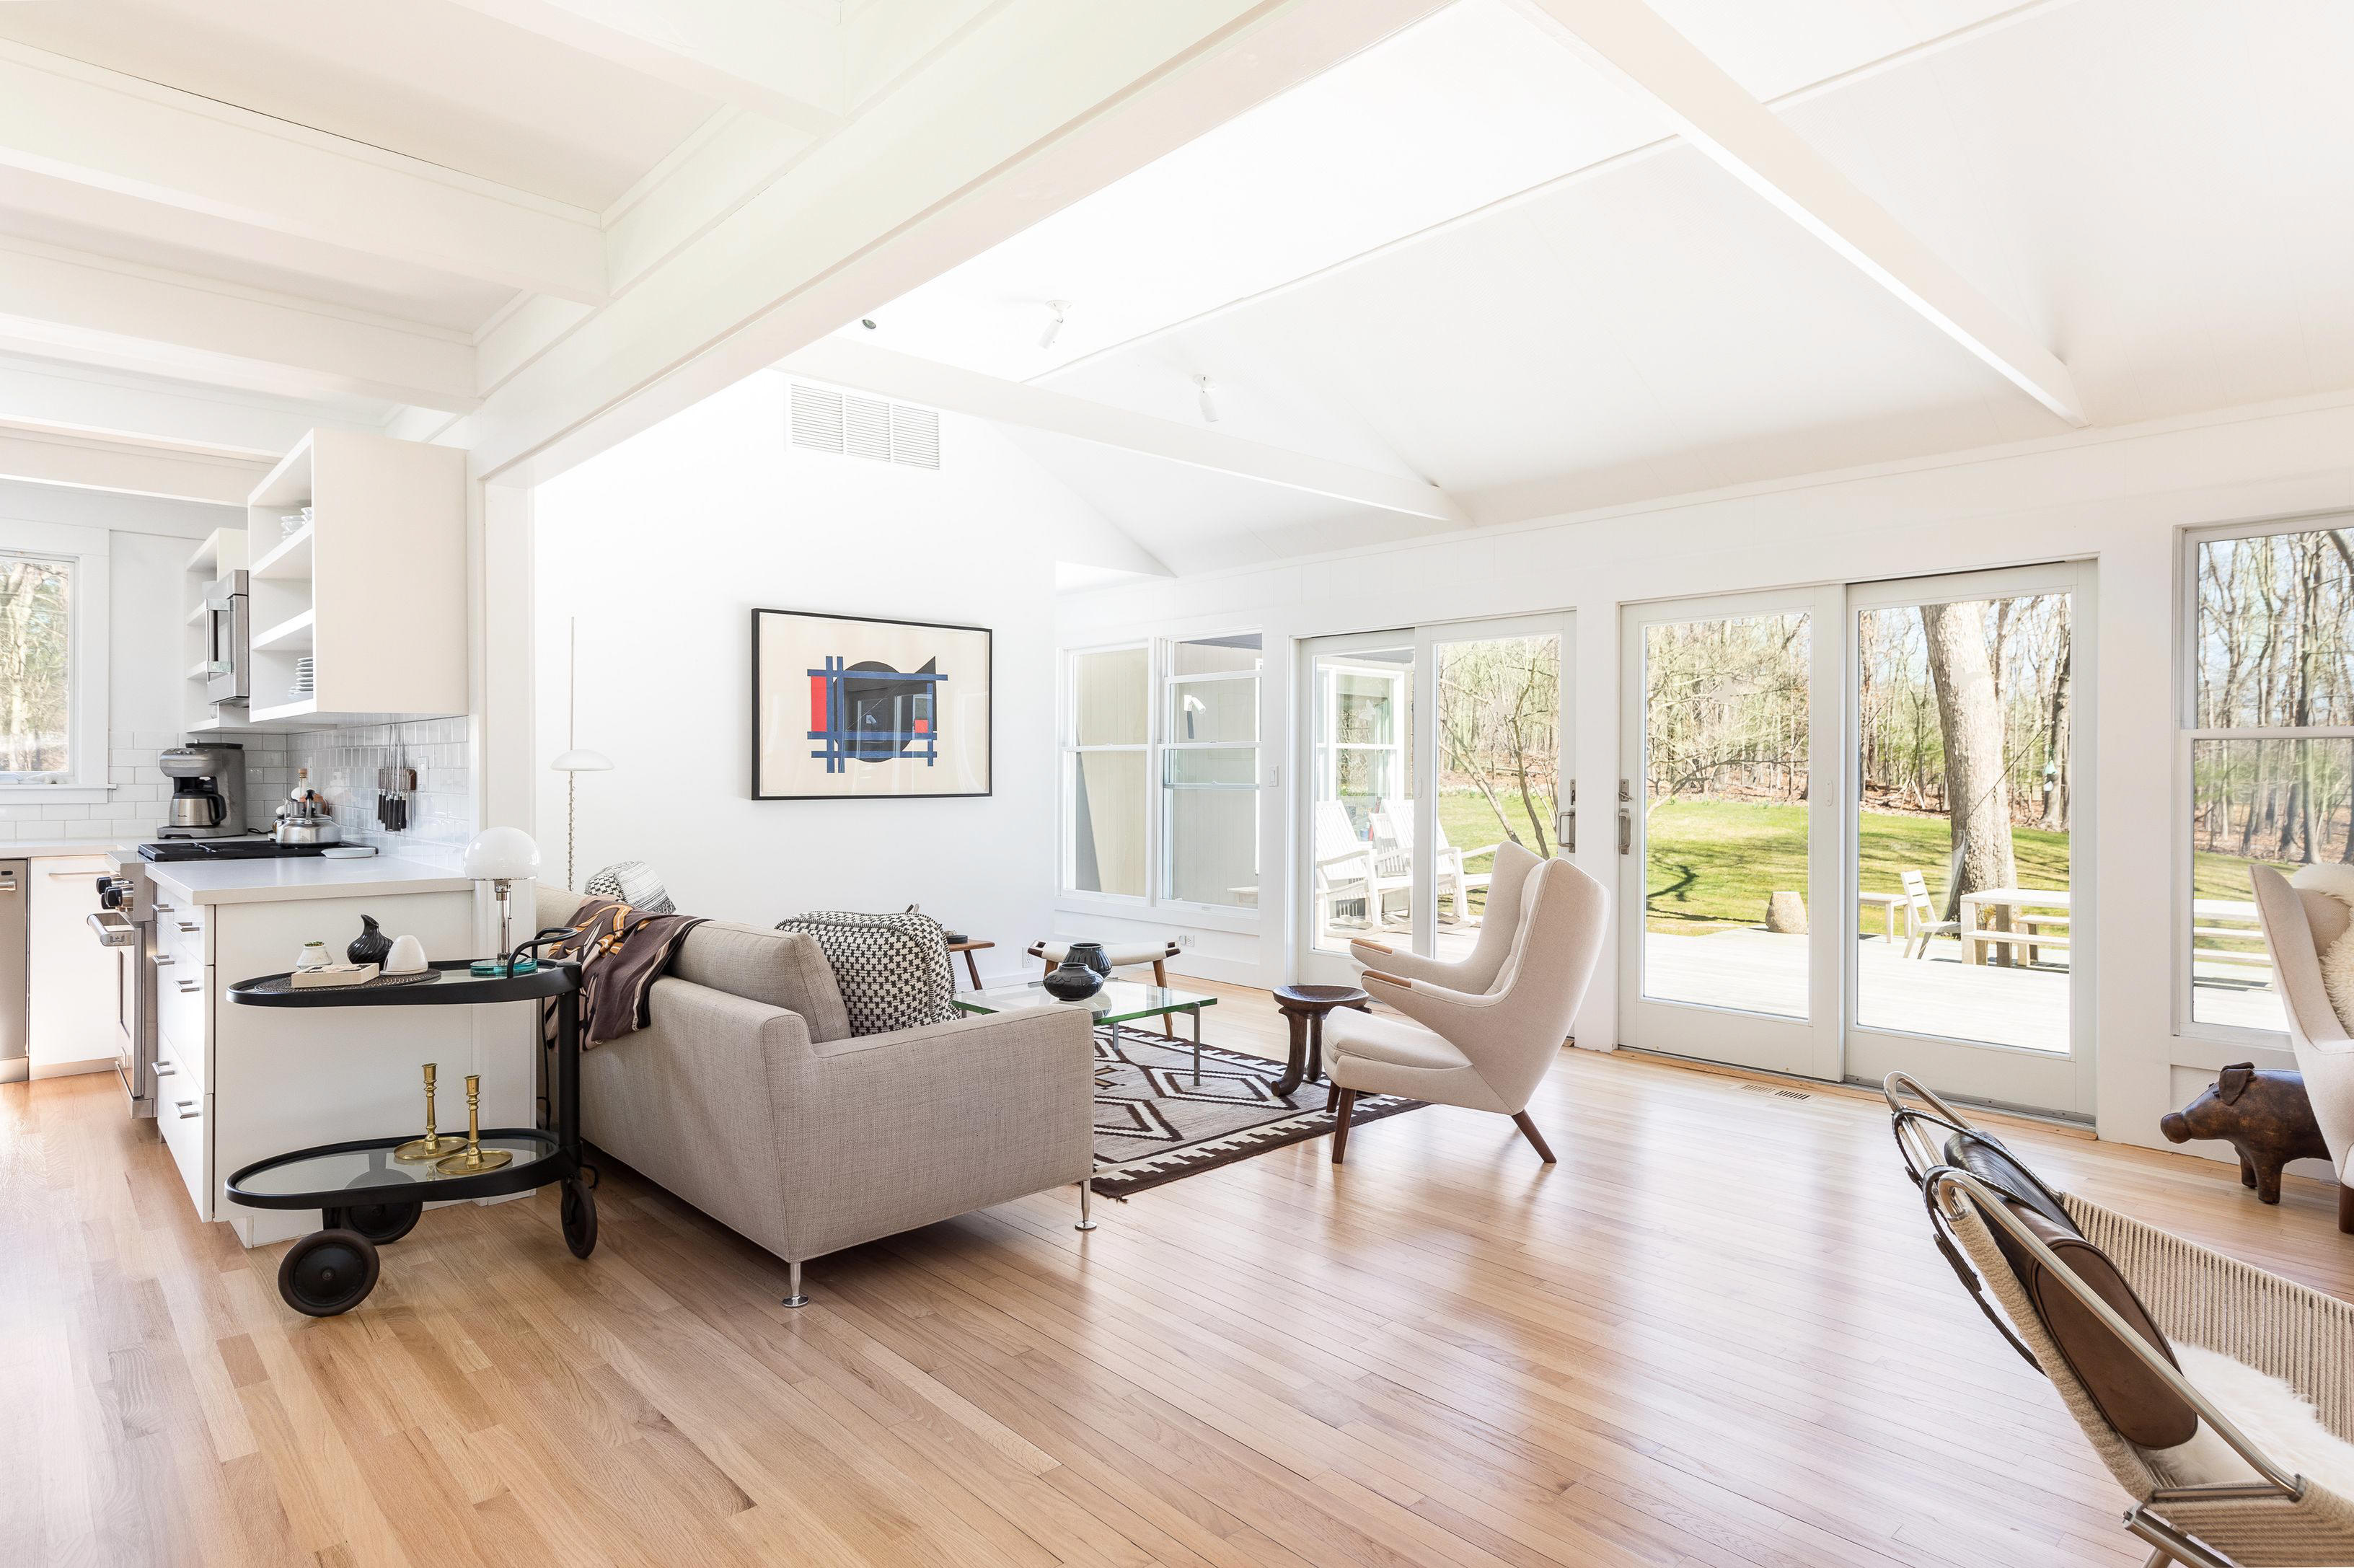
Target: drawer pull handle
x,y
163,958
187,1109
187,986
189,925
166,1069
163,908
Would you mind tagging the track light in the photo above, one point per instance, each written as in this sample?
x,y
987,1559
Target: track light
x,y
1054,328
1209,404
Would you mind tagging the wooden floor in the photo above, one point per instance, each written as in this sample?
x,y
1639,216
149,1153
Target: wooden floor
x,y
1716,1334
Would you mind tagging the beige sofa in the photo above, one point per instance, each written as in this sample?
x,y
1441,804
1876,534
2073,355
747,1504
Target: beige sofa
x,y
747,1096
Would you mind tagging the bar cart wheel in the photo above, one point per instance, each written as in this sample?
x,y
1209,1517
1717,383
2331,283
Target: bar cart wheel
x,y
328,1272
580,1214
382,1223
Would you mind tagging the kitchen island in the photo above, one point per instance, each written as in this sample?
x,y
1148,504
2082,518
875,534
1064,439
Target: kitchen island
x,y
238,1084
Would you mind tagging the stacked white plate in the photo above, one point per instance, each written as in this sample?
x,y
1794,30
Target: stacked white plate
x,y
306,679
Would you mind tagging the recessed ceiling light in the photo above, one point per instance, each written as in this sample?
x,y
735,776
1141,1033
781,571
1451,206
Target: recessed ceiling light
x,y
1209,404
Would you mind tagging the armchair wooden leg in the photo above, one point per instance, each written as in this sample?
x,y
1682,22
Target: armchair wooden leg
x,y
2346,1210
1348,1102
1160,979
1536,1140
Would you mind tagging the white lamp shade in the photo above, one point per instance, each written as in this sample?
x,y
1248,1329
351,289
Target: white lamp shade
x,y
499,853
582,762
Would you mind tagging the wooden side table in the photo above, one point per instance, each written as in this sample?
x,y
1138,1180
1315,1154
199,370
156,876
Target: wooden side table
x,y
968,948
1304,1007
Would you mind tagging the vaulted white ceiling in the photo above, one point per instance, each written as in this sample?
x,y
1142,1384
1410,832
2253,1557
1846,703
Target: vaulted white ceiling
x,y
1473,256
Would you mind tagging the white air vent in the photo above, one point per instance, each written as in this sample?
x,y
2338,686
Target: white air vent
x,y
829,422
817,419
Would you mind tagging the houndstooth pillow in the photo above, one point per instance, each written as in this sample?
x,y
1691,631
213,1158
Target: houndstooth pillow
x,y
635,883
893,968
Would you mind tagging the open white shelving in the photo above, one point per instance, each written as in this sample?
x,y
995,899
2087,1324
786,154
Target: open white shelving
x,y
222,552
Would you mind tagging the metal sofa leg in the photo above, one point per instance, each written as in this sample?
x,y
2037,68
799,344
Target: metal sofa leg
x,y
793,1295
1087,1206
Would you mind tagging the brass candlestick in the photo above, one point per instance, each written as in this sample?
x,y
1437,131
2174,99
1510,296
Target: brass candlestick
x,y
476,1159
433,1145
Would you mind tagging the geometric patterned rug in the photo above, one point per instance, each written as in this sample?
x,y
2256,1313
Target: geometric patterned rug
x,y
1154,1124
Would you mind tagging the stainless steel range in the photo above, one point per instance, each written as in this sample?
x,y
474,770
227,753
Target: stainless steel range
x,y
125,922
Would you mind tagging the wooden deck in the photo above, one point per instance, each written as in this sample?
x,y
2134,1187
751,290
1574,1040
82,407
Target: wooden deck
x,y
1765,971
1716,1334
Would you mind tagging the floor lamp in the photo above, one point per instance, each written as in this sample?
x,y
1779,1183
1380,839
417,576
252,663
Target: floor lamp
x,y
575,762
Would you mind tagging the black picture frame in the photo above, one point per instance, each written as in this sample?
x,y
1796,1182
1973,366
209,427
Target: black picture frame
x,y
760,615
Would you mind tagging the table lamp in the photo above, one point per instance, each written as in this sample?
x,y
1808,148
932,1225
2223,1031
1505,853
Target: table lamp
x,y
502,857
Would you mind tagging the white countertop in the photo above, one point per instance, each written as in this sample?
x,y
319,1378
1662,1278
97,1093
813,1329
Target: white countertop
x,y
61,848
259,881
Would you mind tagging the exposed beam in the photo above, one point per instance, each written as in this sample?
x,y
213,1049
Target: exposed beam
x,y
110,405
146,319
769,57
130,468
74,121
903,376
985,138
1717,116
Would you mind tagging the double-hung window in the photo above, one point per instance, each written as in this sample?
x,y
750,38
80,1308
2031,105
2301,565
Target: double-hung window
x,y
1107,747
1209,771
2269,737
1160,771
37,669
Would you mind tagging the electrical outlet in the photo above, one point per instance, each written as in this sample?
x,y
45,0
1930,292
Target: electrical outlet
x,y
1184,938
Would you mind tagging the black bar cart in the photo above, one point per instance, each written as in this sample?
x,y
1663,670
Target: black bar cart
x,y
371,1191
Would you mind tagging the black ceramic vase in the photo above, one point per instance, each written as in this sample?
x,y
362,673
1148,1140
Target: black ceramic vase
x,y
370,946
1091,954
1072,981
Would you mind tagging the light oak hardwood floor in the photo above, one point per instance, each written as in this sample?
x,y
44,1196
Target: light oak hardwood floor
x,y
1716,1334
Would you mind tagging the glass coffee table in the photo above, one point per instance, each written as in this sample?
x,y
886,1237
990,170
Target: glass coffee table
x,y
1120,1002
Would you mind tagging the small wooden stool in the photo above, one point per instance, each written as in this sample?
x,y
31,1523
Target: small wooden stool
x,y
1304,1007
968,946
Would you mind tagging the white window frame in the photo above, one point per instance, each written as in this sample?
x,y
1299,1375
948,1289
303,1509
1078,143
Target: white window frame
x,y
1068,761
1165,682
89,554
2187,734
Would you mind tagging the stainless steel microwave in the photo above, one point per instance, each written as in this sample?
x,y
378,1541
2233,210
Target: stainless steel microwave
x,y
229,664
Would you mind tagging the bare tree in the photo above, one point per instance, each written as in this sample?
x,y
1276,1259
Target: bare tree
x,y
1977,790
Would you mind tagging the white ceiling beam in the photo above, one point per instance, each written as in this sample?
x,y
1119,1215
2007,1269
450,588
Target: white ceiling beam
x,y
893,374
774,59
81,399
988,136
99,128
130,468
120,313
1717,116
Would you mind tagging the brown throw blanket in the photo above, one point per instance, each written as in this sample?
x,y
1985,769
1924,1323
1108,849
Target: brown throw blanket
x,y
622,951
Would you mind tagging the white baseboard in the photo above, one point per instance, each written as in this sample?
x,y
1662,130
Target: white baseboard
x,y
71,1069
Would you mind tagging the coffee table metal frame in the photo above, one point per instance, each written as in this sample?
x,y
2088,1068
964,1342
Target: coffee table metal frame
x,y
332,1270
1120,1002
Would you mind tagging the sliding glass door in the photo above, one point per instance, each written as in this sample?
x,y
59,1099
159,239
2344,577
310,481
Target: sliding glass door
x,y
1426,749
1852,817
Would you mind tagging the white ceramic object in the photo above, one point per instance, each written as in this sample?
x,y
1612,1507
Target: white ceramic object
x,y
408,957
313,956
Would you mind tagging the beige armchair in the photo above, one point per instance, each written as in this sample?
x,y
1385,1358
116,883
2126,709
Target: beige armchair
x,y
2300,925
1498,926
1481,1050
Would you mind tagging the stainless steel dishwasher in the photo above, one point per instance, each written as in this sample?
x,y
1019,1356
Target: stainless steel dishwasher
x,y
16,933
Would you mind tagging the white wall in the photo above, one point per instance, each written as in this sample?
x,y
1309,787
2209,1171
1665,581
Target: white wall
x,y
663,546
2118,497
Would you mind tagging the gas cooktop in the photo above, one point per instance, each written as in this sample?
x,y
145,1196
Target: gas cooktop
x,y
225,848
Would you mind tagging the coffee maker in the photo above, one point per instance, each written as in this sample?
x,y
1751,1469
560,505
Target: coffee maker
x,y
207,799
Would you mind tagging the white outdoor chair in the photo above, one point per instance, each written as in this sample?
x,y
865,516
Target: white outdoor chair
x,y
1454,877
1921,921
2300,925
1346,868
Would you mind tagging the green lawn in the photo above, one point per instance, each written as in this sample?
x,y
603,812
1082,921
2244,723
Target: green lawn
x,y
1713,861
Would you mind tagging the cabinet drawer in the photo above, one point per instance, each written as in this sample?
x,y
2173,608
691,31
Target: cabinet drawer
x,y
180,932
183,1005
182,1114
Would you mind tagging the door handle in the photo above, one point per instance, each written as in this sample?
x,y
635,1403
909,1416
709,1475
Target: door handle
x,y
1564,829
1626,819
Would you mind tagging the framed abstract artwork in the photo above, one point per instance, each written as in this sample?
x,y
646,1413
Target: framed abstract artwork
x,y
852,707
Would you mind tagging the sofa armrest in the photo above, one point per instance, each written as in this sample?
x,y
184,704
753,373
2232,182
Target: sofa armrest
x,y
881,1133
